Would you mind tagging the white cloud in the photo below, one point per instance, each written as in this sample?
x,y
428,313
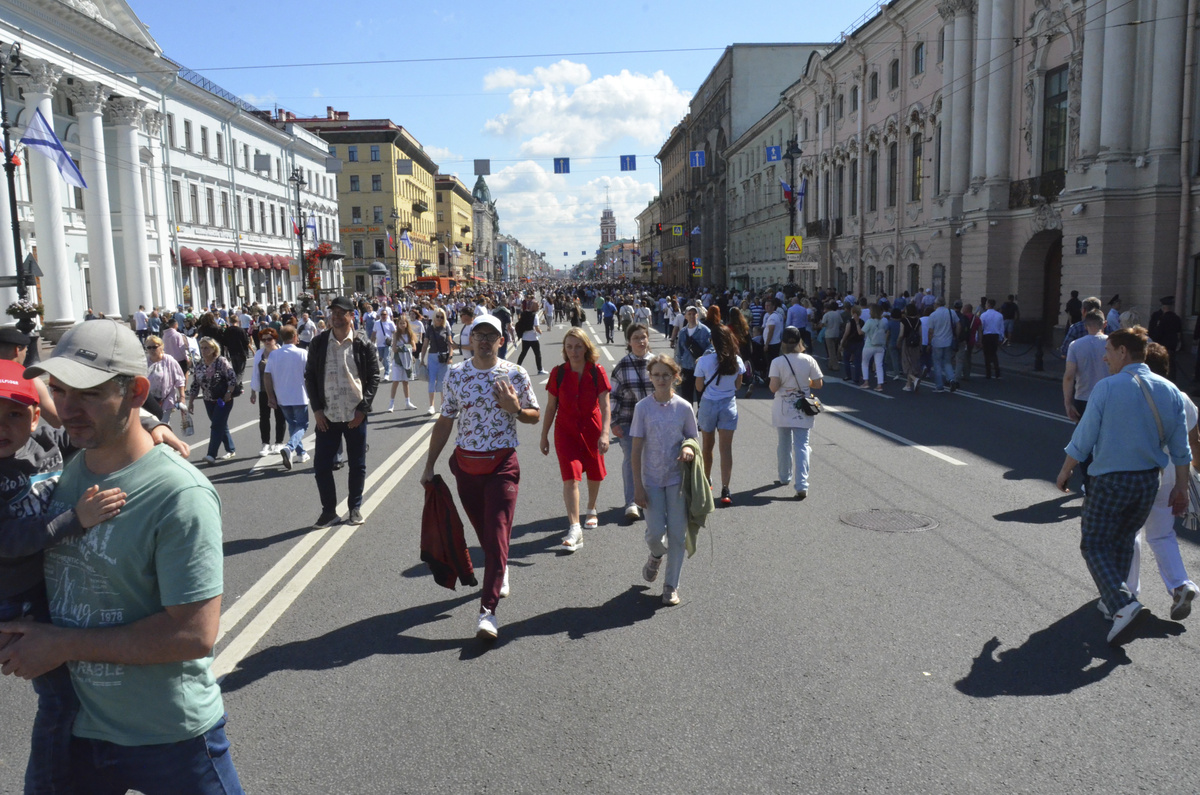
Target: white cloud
x,y
561,111
441,155
316,92
261,100
547,213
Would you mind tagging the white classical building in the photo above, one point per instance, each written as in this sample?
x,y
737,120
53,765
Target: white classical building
x,y
138,235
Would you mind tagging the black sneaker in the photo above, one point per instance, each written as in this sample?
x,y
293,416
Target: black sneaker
x,y
338,463
802,494
327,519
355,517
726,497
953,386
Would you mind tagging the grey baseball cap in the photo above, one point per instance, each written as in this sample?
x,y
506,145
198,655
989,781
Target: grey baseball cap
x,y
91,353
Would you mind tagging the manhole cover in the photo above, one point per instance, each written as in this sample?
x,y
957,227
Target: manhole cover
x,y
889,521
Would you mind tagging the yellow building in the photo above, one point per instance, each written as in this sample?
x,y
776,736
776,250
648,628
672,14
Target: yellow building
x,y
385,190
454,233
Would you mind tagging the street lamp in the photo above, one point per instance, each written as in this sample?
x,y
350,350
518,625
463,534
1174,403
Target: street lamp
x,y
394,228
297,179
11,66
793,151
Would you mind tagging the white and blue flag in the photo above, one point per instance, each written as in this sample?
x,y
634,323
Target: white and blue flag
x,y
39,137
404,238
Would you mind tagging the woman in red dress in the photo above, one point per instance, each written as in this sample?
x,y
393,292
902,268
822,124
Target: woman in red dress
x,y
579,399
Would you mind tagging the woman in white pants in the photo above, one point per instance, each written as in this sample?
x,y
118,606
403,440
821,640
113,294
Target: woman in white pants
x,y
793,374
875,332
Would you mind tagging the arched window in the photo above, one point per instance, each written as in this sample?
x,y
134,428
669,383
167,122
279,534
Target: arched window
x,y
840,278
871,280
853,99
914,278
890,284
918,62
873,87
894,75
915,173
939,280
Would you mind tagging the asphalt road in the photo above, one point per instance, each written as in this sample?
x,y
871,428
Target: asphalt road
x,y
807,655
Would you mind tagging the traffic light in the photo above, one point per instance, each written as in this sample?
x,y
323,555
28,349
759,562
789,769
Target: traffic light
x,y
658,228
695,268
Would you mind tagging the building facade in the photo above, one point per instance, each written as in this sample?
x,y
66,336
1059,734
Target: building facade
x,y
671,244
649,223
486,230
455,237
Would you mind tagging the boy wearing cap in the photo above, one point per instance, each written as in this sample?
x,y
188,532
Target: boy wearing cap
x,y
135,601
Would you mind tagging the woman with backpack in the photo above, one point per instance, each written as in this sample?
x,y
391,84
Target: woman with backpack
x,y
578,409
909,344
718,375
794,374
530,331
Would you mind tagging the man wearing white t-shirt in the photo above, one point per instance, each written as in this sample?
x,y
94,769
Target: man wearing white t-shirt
x,y
991,326
488,396
139,324
773,323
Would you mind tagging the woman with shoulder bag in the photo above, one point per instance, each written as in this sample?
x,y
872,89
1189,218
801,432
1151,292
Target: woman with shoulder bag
x,y
794,374
213,379
403,360
718,375
437,355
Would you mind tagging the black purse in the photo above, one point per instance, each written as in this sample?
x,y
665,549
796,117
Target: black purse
x,y
807,403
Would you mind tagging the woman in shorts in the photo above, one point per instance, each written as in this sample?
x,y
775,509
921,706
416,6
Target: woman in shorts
x,y
718,376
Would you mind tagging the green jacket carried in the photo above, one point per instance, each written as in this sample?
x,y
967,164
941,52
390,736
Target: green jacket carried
x,y
697,494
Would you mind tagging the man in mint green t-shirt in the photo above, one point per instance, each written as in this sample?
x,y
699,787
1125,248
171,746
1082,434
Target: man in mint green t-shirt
x,y
135,601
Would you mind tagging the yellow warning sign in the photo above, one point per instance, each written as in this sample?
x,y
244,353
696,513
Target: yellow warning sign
x,y
793,244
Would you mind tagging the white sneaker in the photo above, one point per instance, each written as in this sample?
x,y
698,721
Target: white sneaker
x,y
542,372
573,539
504,584
228,455
286,455
650,570
304,458
670,595
265,451
632,513
487,628
391,406
408,404
431,412
276,448
1182,597
1125,622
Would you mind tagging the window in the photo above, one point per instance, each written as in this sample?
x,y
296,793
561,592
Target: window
x,y
210,203
352,154
873,182
187,135
224,209
378,215
246,157
194,204
204,141
841,106
918,60
439,216
916,168
854,99
250,213
220,148
941,45
873,87
356,215
439,196
171,129
1054,121
841,192
890,283
376,182
379,248
939,280
358,249
825,118
938,176
279,169
804,126
871,283
332,151
914,278
894,75
853,188
354,182
177,199
374,153
893,173
274,229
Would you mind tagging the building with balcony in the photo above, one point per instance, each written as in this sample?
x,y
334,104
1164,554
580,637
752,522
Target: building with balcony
x,y
454,212
486,228
649,224
386,193
673,246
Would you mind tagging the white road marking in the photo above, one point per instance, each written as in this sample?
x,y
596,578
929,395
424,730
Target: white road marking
x,y
277,459
244,642
855,387
1017,407
907,442
204,442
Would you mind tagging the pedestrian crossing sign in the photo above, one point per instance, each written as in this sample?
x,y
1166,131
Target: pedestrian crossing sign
x,y
677,230
793,244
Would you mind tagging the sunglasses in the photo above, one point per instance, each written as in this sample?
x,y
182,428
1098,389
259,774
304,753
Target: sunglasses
x,y
152,347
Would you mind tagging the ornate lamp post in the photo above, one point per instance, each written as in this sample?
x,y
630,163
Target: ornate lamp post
x,y
394,228
297,179
11,66
793,152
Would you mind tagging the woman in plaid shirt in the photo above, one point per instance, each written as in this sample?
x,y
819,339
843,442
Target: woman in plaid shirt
x,y
629,385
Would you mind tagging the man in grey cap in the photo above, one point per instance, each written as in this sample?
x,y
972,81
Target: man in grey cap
x,y
136,600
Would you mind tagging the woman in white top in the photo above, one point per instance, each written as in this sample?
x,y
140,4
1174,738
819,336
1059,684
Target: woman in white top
x,y
418,327
793,374
404,345
383,330
719,375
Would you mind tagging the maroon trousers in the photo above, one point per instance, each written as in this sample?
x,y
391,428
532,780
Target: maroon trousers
x,y
490,501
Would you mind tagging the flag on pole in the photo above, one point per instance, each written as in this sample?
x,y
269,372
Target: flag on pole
x,y
39,135
405,239
787,191
456,252
800,198
391,242
295,226
312,227
696,230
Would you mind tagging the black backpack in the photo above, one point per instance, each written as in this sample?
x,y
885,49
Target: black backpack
x,y
912,336
560,373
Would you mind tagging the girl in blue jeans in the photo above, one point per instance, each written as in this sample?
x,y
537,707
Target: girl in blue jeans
x,y
719,376
793,375
215,380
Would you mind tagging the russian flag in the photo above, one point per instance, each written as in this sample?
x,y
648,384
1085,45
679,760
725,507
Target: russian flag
x,y
295,226
391,242
787,191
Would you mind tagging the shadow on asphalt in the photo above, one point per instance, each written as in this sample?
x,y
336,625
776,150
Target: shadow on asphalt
x,y
384,634
1048,512
254,544
1069,654
516,555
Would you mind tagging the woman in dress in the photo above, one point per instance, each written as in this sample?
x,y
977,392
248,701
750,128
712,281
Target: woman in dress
x,y
718,375
166,377
437,355
578,408
268,341
404,345
214,380
794,374
629,385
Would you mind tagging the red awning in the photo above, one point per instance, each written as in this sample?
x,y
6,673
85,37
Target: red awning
x,y
206,258
189,258
282,262
263,261
223,259
237,260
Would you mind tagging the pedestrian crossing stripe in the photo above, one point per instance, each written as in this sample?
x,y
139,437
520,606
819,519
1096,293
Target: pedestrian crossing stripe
x,y
792,244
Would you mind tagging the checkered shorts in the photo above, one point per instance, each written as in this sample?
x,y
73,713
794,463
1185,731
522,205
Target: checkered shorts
x,y
1115,508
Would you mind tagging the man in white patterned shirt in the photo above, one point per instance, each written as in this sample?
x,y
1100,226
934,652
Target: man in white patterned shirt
x,y
488,396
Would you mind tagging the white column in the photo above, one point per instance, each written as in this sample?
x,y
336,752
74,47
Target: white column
x,y
126,113
949,97
47,202
979,78
1000,93
1120,49
8,257
1166,103
156,203
89,100
963,89
1093,72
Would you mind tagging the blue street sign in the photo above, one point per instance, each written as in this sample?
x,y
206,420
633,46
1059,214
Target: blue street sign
x,y
696,158
774,153
629,162
562,165
565,254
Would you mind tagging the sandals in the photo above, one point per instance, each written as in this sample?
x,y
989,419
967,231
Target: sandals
x,y
591,521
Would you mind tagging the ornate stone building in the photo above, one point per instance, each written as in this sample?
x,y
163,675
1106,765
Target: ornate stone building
x,y
486,227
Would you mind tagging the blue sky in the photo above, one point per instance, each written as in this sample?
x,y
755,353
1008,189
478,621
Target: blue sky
x,y
532,103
